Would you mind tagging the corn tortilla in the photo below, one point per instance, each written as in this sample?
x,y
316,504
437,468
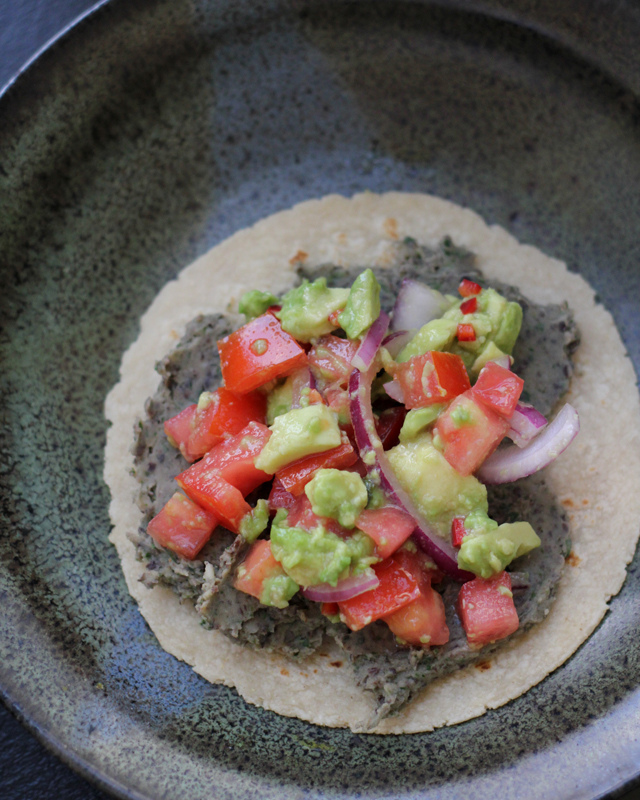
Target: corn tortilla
x,y
597,479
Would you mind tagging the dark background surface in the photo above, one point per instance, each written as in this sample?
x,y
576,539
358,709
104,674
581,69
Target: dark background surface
x,y
27,770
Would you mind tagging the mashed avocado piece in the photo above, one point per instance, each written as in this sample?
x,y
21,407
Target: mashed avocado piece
x,y
306,308
278,590
279,400
255,521
255,303
298,433
363,305
419,418
439,491
337,494
491,352
489,553
319,556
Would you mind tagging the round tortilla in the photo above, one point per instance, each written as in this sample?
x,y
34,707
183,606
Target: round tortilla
x,y
597,479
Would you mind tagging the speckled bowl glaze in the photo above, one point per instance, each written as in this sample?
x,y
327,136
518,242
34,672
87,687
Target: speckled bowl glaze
x,y
145,136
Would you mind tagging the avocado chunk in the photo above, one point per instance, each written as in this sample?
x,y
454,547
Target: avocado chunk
x,y
337,494
278,590
254,521
437,489
254,303
489,553
491,352
319,556
419,418
298,433
363,305
435,335
306,309
279,400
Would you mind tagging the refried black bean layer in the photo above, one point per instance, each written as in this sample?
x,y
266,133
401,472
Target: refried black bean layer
x,y
394,674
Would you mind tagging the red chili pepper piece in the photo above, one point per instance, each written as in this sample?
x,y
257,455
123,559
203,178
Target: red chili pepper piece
x,y
469,306
466,332
469,288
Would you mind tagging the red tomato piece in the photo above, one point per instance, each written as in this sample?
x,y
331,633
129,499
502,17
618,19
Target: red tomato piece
x,y
220,414
223,478
466,332
257,353
486,609
397,588
389,424
458,531
182,526
498,388
470,306
422,621
301,516
279,497
258,565
469,433
330,609
179,430
433,377
389,528
330,359
469,288
294,477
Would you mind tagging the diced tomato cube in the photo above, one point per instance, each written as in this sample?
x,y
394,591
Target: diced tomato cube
x,y
220,414
257,353
466,332
458,531
180,428
389,528
397,588
422,621
430,378
294,477
486,609
469,306
223,478
330,359
330,609
469,433
258,565
279,497
182,526
469,288
498,388
389,425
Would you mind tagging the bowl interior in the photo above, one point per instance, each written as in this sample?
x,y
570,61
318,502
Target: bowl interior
x,y
144,137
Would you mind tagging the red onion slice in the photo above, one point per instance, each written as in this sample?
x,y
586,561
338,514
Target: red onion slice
x,y
526,423
368,441
370,345
416,304
394,390
512,463
394,342
343,590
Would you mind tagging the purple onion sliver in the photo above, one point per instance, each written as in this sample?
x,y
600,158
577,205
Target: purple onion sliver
x,y
512,463
394,390
394,342
526,423
345,589
416,304
370,345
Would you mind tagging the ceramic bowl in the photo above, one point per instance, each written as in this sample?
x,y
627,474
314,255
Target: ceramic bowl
x,y
149,133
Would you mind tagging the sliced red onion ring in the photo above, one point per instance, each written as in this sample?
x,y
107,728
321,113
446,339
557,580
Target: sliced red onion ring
x,y
526,423
512,463
394,342
343,590
370,345
394,390
416,304
368,441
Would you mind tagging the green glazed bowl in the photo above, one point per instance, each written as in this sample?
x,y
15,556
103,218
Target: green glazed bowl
x,y
146,135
